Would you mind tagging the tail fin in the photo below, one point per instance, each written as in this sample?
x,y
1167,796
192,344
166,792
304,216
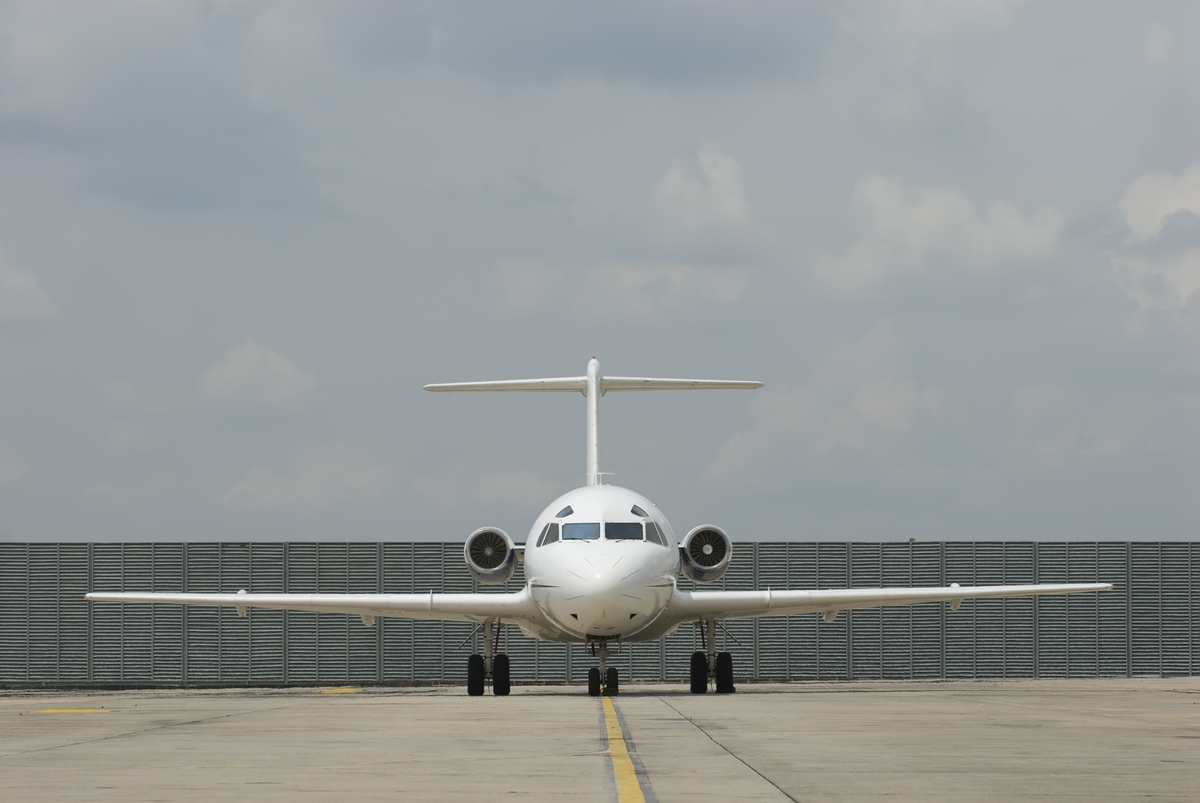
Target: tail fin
x,y
593,386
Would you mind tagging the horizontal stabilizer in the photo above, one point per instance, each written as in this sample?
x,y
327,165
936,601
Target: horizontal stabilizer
x,y
608,383
561,384
578,384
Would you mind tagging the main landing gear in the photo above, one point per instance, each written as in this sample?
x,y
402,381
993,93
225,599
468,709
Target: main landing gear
x,y
710,663
611,683
491,663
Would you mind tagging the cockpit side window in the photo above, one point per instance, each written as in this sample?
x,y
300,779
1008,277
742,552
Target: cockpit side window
x,y
652,534
623,531
581,531
549,534
566,511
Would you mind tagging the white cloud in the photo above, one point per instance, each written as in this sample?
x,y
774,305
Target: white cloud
x,y
695,204
125,436
1163,282
22,300
1154,197
1158,278
645,290
857,400
318,477
251,374
913,232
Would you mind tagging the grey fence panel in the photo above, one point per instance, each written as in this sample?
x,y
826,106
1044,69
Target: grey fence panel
x,y
1148,625
802,630
42,584
268,563
301,626
14,613
1020,621
397,634
832,642
108,621
1194,607
771,642
958,645
896,635
988,615
1145,608
927,652
1112,565
1083,613
1051,613
866,635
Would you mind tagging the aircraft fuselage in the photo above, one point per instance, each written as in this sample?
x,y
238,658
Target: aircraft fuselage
x,y
601,562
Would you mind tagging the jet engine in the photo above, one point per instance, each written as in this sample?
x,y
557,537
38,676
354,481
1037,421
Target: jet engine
x,y
705,554
490,556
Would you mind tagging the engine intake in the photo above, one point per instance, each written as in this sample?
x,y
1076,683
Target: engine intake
x,y
705,554
490,556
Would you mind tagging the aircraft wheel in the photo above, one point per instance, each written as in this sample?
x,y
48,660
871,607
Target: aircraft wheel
x,y
594,682
475,673
724,673
699,673
500,675
611,686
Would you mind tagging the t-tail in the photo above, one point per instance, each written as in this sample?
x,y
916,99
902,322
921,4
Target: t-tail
x,y
593,386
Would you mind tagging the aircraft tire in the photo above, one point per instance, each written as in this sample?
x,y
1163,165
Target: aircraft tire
x,y
724,673
475,675
501,682
594,682
611,685
699,673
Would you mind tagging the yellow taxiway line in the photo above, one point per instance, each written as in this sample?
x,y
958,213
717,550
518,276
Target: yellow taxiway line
x,y
628,788
72,711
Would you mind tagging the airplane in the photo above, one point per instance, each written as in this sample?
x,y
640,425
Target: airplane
x,y
602,565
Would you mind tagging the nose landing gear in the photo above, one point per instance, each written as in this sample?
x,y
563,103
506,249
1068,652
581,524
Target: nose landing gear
x,y
711,664
491,663
604,672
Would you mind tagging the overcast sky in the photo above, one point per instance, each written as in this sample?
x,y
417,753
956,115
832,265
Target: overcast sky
x,y
958,241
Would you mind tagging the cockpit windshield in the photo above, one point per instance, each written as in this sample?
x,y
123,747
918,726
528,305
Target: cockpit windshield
x,y
580,531
549,534
623,531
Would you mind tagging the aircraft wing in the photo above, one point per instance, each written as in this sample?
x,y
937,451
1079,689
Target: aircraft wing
x,y
443,607
692,605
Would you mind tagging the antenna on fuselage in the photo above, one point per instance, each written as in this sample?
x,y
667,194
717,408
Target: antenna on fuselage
x,y
593,385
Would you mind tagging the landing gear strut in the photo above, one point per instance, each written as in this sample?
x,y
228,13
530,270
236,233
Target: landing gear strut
x,y
710,663
602,679
491,664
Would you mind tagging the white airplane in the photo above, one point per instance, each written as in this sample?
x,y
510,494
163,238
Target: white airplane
x,y
601,566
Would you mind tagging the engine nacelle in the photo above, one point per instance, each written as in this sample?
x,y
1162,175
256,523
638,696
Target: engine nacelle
x,y
705,553
490,556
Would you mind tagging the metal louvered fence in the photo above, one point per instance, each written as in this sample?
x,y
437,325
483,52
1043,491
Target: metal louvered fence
x,y
1148,625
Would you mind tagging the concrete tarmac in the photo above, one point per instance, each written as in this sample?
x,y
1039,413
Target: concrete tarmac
x,y
1005,740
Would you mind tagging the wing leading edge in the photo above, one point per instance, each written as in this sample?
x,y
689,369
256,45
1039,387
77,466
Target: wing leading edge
x,y
442,607
688,605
